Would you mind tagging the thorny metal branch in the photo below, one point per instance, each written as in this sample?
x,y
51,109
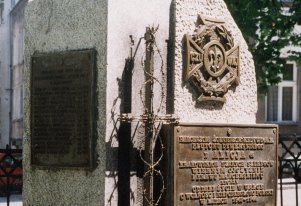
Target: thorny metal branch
x,y
151,119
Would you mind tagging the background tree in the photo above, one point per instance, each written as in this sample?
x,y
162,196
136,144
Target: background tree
x,y
268,26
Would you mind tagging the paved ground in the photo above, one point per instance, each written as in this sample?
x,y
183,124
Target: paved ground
x,y
15,200
289,195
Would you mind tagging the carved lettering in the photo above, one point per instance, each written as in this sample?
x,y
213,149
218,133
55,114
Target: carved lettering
x,y
226,169
231,155
61,103
195,57
232,61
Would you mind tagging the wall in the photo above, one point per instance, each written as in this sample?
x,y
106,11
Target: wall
x,y
5,75
59,25
127,18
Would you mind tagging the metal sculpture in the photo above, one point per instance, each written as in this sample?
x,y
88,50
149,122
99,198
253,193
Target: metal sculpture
x,y
212,59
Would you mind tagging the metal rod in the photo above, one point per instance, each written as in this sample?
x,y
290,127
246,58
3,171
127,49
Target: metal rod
x,y
7,174
296,180
7,190
281,187
148,72
152,121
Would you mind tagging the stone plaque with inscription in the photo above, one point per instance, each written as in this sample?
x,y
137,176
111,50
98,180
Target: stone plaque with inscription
x,y
223,165
62,92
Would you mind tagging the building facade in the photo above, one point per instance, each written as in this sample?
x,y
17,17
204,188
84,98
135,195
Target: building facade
x,y
5,92
281,105
11,72
17,62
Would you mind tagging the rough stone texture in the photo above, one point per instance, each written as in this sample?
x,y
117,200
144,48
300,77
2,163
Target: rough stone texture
x,y
59,25
241,103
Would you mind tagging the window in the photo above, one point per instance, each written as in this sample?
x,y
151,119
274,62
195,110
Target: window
x,y
281,100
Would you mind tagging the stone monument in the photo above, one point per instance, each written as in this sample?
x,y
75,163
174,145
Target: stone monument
x,y
65,49
84,70
219,155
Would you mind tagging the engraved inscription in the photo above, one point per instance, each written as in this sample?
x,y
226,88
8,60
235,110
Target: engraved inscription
x,y
61,109
216,167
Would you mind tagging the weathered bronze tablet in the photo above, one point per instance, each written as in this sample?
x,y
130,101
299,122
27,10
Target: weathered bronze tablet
x,y
223,165
62,92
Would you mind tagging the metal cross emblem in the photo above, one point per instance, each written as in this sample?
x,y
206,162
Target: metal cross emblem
x,y
212,60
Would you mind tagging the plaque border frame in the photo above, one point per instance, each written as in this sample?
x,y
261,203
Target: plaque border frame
x,y
169,132
93,111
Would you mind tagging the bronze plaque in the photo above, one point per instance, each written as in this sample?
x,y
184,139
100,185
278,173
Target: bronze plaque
x,y
225,165
62,92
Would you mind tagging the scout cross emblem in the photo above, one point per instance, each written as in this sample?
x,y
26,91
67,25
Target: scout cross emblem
x,y
212,60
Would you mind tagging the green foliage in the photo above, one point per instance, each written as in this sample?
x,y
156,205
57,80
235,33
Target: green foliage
x,y
267,28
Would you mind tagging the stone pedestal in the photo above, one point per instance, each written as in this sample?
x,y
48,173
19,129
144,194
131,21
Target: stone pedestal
x,y
115,30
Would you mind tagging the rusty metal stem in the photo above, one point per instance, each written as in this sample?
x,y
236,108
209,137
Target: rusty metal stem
x,y
149,133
